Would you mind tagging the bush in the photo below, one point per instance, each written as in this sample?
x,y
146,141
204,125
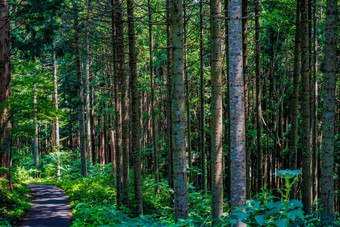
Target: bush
x,y
14,204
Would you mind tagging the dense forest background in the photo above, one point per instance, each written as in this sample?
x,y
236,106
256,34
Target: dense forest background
x,y
180,110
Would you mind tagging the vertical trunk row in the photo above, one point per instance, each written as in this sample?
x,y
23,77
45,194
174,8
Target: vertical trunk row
x,y
216,111
36,128
305,112
135,107
87,88
237,121
117,41
245,79
202,113
153,114
187,104
56,120
315,150
327,170
124,86
169,98
295,95
178,109
5,79
258,99
82,131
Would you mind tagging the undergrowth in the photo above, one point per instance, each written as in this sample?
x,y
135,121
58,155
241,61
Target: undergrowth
x,y
13,204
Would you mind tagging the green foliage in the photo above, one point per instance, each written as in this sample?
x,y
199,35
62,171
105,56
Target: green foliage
x,y
14,204
270,211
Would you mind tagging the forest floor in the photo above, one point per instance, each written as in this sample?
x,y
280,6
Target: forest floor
x,y
50,207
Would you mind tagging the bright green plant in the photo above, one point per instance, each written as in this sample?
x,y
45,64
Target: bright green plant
x,y
290,177
268,210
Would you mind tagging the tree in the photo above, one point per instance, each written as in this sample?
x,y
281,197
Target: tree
x,y
153,111
295,95
82,128
135,106
216,110
202,113
5,89
178,109
327,170
305,112
56,105
236,94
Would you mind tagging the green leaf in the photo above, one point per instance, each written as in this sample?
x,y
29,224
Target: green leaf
x,y
292,204
280,223
259,219
242,216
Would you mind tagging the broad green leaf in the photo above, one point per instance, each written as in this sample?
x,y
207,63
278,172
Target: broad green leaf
x,y
280,223
259,219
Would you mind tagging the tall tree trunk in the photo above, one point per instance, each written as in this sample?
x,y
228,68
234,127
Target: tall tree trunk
x,y
315,151
117,25
237,122
36,128
169,99
153,111
202,113
124,86
305,113
258,100
56,120
187,103
295,95
87,87
82,131
216,111
135,107
5,88
93,131
227,109
327,170
177,110
245,81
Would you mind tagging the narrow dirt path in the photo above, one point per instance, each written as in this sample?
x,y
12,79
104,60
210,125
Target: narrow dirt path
x,y
49,208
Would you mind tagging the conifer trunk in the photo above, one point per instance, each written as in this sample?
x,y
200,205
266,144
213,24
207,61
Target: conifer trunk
x,y
178,110
216,111
202,113
135,107
305,112
327,169
237,112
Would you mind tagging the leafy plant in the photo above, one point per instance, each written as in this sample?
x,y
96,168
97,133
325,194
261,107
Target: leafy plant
x,y
270,211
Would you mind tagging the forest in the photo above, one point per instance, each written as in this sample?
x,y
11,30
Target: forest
x,y
171,112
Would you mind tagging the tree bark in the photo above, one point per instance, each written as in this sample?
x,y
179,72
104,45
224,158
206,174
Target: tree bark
x,y
327,170
36,128
178,109
153,112
202,112
258,100
169,100
216,111
117,25
305,112
5,88
187,103
87,88
135,107
295,95
56,120
81,112
237,122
